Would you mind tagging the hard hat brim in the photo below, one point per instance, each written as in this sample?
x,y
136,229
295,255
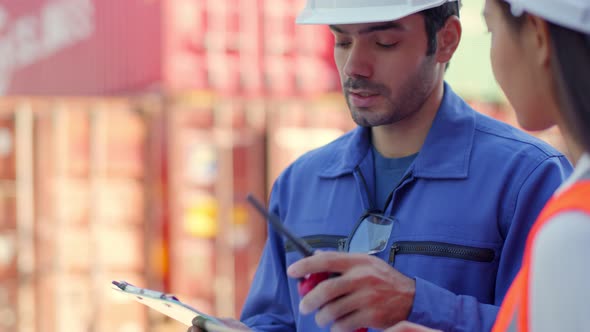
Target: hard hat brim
x,y
569,14
333,16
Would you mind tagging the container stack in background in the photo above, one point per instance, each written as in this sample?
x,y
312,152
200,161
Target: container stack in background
x,y
75,214
91,180
128,146
216,156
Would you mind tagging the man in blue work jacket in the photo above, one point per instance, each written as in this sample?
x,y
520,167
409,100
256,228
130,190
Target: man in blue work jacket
x,y
421,212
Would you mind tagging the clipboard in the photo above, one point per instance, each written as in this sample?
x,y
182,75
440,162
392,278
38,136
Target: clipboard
x,y
166,304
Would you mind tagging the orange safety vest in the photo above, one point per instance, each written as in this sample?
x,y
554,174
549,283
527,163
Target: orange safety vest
x,y
514,312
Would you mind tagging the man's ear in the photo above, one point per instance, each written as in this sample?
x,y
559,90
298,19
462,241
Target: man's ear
x,y
448,39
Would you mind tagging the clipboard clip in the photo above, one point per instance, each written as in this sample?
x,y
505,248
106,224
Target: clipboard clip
x,y
125,286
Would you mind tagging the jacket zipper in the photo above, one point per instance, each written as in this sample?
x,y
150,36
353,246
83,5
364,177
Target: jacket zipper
x,y
320,241
389,198
441,249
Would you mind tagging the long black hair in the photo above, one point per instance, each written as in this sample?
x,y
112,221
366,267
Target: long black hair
x,y
572,69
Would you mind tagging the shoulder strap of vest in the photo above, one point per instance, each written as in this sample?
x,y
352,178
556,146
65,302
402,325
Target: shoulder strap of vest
x,y
576,198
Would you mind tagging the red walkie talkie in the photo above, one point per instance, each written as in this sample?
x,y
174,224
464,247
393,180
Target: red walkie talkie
x,y
305,284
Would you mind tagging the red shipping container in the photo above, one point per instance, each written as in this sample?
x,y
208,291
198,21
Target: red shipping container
x,y
80,47
212,237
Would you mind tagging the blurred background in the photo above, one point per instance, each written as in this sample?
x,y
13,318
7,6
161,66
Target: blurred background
x,y
131,132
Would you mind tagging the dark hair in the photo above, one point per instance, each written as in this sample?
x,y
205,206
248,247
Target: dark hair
x,y
572,69
435,18
572,72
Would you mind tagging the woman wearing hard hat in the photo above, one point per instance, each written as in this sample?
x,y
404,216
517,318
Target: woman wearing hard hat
x,y
541,59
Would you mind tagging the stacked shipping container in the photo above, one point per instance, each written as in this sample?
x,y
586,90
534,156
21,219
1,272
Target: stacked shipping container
x,y
90,203
75,179
216,158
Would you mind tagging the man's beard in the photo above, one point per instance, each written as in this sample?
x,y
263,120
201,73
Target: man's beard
x,y
411,96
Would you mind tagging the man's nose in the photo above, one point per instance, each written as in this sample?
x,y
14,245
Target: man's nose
x,y
359,62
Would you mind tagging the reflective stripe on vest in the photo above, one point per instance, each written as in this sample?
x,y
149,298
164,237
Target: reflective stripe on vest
x,y
513,315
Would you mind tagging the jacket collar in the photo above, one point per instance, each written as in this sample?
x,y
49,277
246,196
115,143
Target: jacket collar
x,y
445,154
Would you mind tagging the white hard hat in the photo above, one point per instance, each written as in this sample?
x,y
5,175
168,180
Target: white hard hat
x,y
362,11
572,14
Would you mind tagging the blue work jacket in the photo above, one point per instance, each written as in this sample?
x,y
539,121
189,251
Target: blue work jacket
x,y
463,211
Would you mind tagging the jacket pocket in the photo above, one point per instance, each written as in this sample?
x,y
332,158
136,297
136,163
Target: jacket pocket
x,y
320,241
441,249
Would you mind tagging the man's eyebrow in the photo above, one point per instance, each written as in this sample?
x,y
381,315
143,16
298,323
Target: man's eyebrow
x,y
373,28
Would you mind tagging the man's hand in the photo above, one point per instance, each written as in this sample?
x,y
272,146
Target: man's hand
x,y
409,327
367,293
230,325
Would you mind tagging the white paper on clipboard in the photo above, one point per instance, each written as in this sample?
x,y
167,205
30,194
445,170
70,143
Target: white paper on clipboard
x,y
161,302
